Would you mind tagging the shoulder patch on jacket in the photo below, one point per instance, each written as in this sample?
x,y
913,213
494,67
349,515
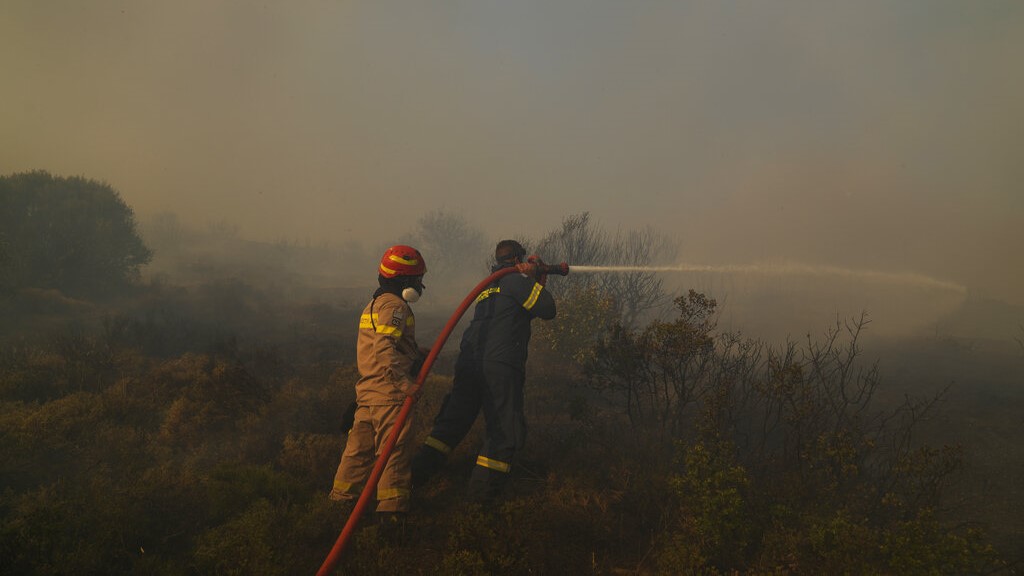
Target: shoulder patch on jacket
x,y
398,317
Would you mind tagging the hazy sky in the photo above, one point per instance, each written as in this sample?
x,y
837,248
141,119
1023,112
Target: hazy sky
x,y
865,134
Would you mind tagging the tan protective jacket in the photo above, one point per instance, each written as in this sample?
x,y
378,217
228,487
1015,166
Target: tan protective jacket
x,y
385,351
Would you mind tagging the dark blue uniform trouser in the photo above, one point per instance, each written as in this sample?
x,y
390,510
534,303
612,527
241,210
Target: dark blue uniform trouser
x,y
497,390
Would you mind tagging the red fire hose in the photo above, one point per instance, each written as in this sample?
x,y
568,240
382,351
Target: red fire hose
x,y
378,469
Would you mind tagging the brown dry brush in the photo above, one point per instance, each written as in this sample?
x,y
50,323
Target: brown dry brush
x,y
691,452
783,461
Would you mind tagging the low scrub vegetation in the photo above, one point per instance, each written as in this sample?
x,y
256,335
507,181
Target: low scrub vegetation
x,y
666,449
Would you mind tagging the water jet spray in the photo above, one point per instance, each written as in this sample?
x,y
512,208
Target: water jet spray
x,y
790,269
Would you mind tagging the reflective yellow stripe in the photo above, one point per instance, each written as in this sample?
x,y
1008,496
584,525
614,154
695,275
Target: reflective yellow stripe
x,y
487,294
400,260
389,493
410,321
493,464
406,261
438,445
534,294
343,487
368,323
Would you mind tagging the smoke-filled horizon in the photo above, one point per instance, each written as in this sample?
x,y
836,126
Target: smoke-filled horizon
x,y
857,135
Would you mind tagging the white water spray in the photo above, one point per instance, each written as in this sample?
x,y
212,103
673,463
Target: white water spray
x,y
790,269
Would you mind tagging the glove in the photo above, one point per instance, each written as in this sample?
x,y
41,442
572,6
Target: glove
x,y
414,392
528,268
540,277
348,419
417,364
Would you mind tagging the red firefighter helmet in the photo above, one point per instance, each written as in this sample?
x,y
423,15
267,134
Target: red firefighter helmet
x,y
402,261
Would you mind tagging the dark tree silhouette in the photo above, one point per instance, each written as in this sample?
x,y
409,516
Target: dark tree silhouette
x,y
71,234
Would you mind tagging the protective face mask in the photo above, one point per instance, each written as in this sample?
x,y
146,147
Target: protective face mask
x,y
410,294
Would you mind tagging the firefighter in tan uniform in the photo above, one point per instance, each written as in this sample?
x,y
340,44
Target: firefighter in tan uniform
x,y
386,352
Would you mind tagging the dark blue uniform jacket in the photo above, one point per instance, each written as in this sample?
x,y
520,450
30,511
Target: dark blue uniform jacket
x,y
500,329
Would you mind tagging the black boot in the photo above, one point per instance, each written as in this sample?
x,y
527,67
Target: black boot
x,y
391,527
486,486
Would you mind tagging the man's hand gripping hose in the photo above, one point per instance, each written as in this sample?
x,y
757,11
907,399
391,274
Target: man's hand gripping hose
x,y
535,268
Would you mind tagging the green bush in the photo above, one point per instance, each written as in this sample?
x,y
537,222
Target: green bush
x,y
71,234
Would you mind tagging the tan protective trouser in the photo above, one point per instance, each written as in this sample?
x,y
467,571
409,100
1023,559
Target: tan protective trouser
x,y
372,428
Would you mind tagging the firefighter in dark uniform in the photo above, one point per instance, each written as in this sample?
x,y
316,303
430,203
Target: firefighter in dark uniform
x,y
489,375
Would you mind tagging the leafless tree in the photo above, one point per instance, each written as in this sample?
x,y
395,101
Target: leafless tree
x,y
581,242
451,245
798,415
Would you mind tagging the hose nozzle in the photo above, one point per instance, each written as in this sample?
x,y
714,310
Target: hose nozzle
x,y
557,269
